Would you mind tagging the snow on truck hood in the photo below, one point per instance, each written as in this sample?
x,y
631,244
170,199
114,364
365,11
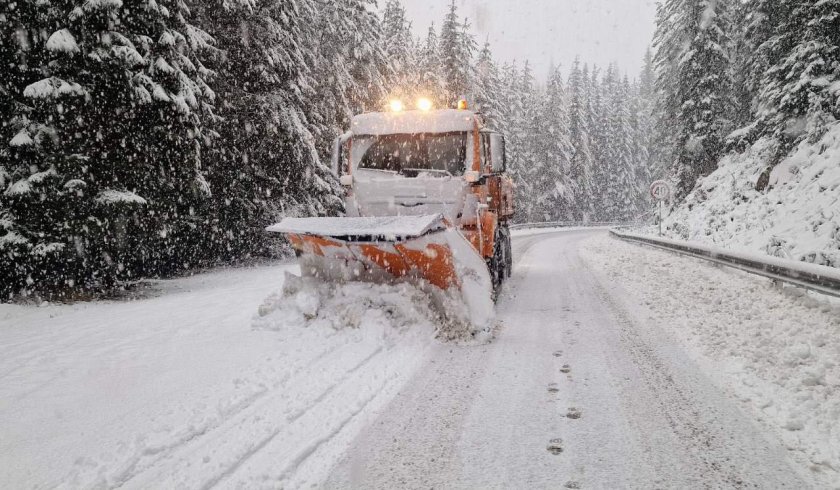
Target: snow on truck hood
x,y
413,122
387,226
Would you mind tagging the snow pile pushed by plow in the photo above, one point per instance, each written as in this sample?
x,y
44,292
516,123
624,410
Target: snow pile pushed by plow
x,y
309,302
797,216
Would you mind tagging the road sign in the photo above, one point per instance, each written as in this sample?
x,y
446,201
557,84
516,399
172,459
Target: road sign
x,y
660,190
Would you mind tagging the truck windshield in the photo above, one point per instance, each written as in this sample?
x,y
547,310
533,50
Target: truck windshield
x,y
412,154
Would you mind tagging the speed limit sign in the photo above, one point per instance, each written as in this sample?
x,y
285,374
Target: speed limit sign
x,y
660,190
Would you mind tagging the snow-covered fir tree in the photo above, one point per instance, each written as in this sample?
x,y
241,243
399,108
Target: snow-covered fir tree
x,y
398,45
798,98
429,63
487,87
554,147
142,138
456,48
582,159
264,163
693,59
619,166
105,172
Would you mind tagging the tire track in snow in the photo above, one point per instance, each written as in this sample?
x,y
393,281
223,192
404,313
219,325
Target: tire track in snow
x,y
240,434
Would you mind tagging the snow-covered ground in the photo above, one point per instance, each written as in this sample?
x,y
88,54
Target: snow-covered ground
x,y
774,349
798,216
580,390
614,366
225,378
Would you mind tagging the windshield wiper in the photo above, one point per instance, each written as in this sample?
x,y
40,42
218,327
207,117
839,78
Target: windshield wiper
x,y
391,172
418,171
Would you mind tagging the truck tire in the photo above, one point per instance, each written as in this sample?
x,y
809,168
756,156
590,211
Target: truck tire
x,y
498,263
508,265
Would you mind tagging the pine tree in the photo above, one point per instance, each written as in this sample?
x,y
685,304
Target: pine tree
x,y
456,48
431,84
397,44
640,133
798,96
596,113
348,66
582,159
487,88
555,151
113,136
693,59
265,163
648,112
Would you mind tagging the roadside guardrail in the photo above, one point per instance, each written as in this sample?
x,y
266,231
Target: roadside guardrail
x,y
822,279
565,224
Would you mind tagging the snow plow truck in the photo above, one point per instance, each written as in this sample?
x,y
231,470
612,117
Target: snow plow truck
x,y
427,201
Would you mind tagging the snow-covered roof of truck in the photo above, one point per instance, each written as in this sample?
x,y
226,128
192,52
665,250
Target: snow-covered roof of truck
x,y
413,122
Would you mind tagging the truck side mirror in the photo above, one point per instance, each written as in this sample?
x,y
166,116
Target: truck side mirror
x,y
498,159
337,157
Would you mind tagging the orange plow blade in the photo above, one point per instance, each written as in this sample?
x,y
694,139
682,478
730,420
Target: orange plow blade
x,y
421,250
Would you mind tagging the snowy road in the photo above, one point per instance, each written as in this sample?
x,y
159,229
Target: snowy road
x,y
576,391
584,386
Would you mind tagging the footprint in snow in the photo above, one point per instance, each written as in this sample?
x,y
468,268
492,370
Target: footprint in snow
x,y
572,484
552,388
574,413
558,353
555,446
566,369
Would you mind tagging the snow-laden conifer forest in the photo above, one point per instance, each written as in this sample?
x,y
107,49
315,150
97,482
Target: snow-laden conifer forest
x,y
148,139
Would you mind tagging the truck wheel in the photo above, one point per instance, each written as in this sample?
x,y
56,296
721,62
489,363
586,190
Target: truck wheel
x,y
508,265
498,264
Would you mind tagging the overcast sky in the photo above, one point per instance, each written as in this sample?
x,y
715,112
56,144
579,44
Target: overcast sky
x,y
600,31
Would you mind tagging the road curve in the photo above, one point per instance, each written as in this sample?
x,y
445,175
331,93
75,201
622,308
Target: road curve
x,y
575,392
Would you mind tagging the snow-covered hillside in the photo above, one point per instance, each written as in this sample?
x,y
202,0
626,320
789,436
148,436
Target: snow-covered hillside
x,y
797,216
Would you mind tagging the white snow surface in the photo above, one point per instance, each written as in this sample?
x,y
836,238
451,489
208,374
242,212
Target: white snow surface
x,y
22,138
413,122
53,88
112,196
207,384
615,366
579,390
774,349
62,41
386,226
798,217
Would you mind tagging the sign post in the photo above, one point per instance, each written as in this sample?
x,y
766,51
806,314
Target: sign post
x,y
661,192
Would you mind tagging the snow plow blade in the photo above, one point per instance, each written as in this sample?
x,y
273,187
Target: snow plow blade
x,y
422,250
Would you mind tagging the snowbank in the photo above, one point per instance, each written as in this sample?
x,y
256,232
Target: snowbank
x,y
797,217
774,349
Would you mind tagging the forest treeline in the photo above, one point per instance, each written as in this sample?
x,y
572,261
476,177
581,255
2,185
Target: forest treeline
x,y
146,138
731,72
